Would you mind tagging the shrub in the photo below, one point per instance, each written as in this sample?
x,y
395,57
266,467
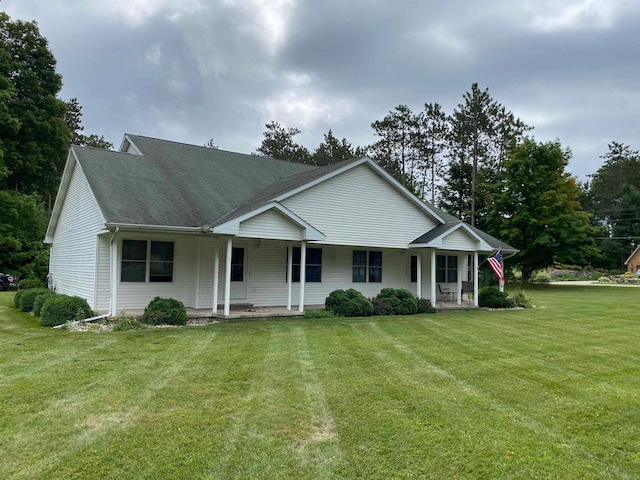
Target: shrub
x,y
39,301
318,314
541,277
29,296
348,303
604,280
424,306
492,297
16,298
381,306
60,309
402,301
31,282
167,311
127,323
521,300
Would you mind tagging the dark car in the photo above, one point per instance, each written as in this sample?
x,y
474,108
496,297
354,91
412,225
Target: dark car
x,y
8,281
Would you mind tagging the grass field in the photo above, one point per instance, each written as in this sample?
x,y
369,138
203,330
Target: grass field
x,y
551,392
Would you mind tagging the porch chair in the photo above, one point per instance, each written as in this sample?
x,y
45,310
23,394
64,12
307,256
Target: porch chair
x,y
445,293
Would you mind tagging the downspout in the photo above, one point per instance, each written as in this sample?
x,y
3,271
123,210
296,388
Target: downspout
x,y
114,268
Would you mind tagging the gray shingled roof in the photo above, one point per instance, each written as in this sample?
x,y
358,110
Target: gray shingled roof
x,y
440,229
174,184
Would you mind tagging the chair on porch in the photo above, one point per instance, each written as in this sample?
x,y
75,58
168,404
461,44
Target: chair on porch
x,y
445,293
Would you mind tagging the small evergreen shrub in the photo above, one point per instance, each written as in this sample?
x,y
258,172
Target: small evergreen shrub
x,y
381,306
402,301
318,314
31,282
16,298
348,303
60,309
29,296
521,300
424,306
604,280
165,311
39,301
492,297
127,323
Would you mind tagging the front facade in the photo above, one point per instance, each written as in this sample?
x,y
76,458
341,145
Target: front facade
x,y
633,262
214,229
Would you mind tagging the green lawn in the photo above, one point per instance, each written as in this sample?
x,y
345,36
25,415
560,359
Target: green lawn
x,y
551,392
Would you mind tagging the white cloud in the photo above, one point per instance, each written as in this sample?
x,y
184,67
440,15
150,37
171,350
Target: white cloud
x,y
553,15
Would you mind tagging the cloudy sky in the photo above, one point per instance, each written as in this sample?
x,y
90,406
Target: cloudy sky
x,y
191,70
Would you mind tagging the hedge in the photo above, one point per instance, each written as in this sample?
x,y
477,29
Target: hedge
x,y
29,296
60,309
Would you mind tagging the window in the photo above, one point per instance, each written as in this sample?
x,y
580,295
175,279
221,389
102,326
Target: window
x,y
446,269
237,264
313,270
414,268
142,259
367,266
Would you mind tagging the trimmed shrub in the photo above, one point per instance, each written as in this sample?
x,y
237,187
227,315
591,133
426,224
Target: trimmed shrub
x,y
165,311
318,314
60,309
39,301
381,306
604,280
424,306
541,277
31,282
492,297
29,296
348,303
16,298
402,301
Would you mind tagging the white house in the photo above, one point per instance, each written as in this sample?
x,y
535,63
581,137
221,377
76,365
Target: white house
x,y
213,228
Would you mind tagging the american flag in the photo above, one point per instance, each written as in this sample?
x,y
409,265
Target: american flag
x,y
497,266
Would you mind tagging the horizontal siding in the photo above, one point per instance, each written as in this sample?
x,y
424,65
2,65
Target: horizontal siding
x,y
360,208
103,274
270,224
73,251
459,240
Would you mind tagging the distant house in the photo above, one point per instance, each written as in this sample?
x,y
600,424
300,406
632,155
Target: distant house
x,y
213,228
633,262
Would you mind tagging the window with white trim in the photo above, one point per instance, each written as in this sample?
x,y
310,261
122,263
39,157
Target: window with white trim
x,y
313,270
446,268
146,261
367,266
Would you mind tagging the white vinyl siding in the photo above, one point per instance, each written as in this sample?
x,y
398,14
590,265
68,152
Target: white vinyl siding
x,y
74,245
360,208
459,240
270,224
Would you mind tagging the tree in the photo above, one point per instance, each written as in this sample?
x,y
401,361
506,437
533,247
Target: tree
x,y
481,134
332,150
538,210
34,137
430,139
613,202
73,120
278,142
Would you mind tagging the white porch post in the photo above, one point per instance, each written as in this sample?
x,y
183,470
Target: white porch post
x,y
216,275
460,270
433,277
289,274
114,275
465,268
475,279
303,271
227,278
197,302
419,275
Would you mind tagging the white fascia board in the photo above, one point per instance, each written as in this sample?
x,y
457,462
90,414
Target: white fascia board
x,y
126,142
376,168
132,227
232,227
438,241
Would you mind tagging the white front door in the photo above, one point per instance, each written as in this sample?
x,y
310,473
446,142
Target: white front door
x,y
239,273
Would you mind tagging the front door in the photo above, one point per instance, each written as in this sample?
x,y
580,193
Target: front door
x,y
238,273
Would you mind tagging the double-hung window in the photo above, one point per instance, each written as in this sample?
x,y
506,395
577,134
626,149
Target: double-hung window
x,y
367,266
446,268
146,261
414,268
313,271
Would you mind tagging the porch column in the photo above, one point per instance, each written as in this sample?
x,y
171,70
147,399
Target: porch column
x,y
465,268
227,278
216,275
289,274
114,275
475,279
419,274
303,273
197,302
460,270
433,277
